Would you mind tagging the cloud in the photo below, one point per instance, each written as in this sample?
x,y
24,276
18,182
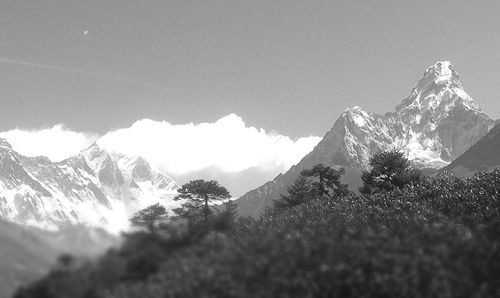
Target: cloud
x,y
227,144
56,143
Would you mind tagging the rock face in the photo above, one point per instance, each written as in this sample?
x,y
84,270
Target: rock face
x,y
436,123
482,156
94,188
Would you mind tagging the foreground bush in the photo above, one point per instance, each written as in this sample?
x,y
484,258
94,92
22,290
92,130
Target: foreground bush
x,y
437,238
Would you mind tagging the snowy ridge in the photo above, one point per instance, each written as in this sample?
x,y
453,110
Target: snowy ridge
x,y
437,122
433,125
94,188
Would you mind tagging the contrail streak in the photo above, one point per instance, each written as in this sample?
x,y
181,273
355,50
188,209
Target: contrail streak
x,y
70,70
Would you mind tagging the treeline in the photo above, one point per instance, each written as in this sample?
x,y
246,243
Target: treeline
x,y
404,235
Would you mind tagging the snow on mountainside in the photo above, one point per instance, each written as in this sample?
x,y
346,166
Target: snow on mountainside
x,y
437,122
94,188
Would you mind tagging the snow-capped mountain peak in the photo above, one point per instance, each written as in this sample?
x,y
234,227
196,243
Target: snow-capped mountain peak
x,y
95,156
358,115
5,144
433,125
438,91
443,72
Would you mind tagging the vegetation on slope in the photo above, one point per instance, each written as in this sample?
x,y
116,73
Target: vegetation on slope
x,y
435,237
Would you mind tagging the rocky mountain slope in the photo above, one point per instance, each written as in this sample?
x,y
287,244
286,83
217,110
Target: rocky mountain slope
x,y
94,188
482,156
433,125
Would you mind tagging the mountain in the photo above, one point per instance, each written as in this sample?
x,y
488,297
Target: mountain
x,y
433,125
482,156
94,188
24,257
76,206
28,253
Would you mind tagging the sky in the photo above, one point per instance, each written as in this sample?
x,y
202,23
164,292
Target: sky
x,y
286,68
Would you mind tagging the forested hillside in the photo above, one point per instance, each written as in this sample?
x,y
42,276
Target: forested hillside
x,y
438,237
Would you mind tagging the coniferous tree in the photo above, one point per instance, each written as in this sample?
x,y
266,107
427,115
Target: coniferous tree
x,y
389,170
150,218
301,191
327,181
65,262
198,194
226,218
231,210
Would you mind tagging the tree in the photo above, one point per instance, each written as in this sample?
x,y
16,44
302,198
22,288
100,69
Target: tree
x,y
150,218
301,191
198,195
65,262
389,170
231,210
226,218
328,181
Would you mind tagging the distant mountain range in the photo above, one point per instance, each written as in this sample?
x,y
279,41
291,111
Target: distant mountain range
x,y
94,188
77,206
433,125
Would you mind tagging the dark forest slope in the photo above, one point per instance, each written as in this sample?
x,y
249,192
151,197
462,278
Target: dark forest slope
x,y
439,238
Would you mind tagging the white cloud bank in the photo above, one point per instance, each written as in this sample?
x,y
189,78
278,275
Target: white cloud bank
x,y
57,143
227,144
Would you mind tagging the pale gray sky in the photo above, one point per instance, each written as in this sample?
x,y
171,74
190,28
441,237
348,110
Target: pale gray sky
x,y
289,66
